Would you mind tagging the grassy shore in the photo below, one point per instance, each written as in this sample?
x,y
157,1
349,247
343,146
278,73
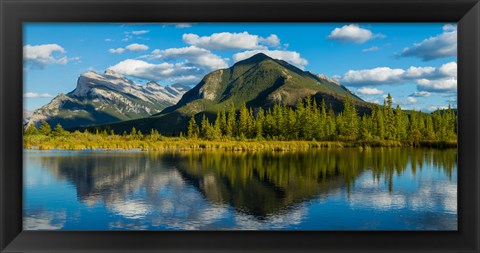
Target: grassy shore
x,y
175,143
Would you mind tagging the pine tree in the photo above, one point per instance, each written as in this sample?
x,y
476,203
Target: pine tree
x,y
259,121
365,129
45,128
349,126
217,129
429,133
31,130
193,130
401,124
243,120
231,122
58,130
331,124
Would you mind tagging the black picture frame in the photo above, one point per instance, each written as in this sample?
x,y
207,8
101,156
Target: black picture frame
x,y
14,12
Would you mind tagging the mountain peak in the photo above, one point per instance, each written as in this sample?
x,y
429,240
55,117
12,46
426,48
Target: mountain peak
x,y
112,73
257,58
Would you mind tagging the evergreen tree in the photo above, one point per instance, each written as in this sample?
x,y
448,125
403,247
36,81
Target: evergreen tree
x,y
45,128
231,122
243,120
193,130
58,130
259,121
401,123
390,129
31,130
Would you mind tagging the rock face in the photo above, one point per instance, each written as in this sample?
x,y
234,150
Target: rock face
x,y
107,98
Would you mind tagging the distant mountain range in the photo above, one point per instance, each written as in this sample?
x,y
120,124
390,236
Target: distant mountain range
x,y
106,98
258,81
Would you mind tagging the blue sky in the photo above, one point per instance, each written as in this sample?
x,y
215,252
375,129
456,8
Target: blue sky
x,y
416,63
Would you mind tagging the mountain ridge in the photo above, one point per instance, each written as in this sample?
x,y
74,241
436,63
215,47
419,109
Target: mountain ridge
x,y
106,98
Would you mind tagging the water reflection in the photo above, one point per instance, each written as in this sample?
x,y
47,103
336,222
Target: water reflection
x,y
228,190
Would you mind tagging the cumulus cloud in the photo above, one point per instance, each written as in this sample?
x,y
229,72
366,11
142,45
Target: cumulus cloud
x,y
135,47
353,34
36,95
156,72
116,50
375,76
440,46
370,49
42,55
441,85
429,79
369,91
228,41
193,54
272,40
289,56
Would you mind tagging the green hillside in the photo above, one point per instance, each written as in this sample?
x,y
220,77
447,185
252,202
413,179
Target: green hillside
x,y
258,81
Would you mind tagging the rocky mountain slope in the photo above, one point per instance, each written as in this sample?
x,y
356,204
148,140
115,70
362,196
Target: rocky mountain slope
x,y
106,98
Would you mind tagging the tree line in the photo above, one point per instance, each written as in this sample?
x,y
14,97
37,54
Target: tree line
x,y
309,121
305,121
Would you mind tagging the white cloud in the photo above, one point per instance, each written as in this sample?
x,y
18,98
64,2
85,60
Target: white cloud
x,y
375,76
108,40
157,72
370,49
428,79
437,107
290,56
449,69
42,55
369,91
36,95
135,47
418,72
352,33
411,100
272,40
442,85
116,51
228,41
193,54
140,32
421,94
440,46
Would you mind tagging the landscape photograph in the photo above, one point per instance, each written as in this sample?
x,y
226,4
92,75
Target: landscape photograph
x,y
240,126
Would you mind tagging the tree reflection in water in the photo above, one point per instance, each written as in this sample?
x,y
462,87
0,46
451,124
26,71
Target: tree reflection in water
x,y
172,187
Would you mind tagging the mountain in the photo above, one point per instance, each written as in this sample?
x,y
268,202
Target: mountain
x,y
106,98
259,81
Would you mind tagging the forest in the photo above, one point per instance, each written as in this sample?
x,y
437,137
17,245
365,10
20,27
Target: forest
x,y
305,125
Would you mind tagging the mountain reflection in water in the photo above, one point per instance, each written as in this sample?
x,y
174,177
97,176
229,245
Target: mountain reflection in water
x,y
242,190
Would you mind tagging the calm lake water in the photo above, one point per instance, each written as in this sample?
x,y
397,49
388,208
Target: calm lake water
x,y
321,189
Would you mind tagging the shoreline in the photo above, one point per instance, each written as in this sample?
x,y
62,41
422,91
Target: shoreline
x,y
248,145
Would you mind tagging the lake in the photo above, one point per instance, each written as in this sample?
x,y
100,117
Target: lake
x,y
317,189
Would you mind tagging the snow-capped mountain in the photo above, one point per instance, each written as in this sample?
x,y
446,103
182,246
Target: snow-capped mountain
x,y
106,98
